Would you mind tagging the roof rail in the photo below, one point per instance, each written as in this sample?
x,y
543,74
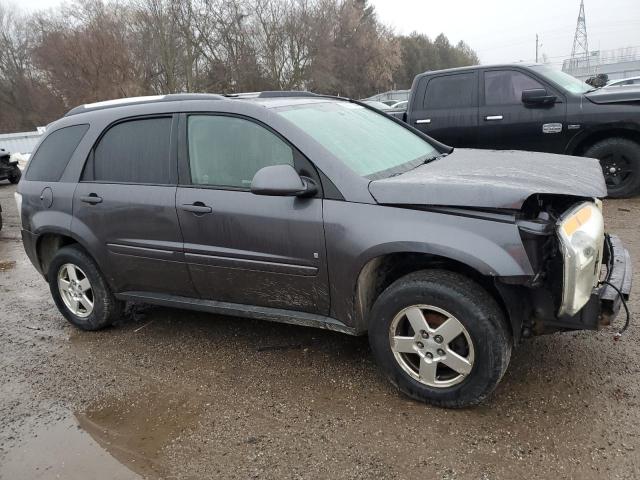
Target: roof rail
x,y
272,94
285,93
121,102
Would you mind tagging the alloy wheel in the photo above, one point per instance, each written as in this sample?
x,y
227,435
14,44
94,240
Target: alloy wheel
x,y
431,345
75,290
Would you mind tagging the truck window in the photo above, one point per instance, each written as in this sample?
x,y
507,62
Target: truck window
x,y
504,87
451,91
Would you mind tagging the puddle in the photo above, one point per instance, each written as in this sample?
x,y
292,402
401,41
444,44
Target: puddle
x,y
120,439
136,429
62,450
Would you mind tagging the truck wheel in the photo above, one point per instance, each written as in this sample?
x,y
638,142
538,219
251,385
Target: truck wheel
x,y
440,338
80,291
620,160
14,176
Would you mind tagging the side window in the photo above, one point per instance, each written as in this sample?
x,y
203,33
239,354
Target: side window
x,y
227,151
451,91
54,154
136,151
504,87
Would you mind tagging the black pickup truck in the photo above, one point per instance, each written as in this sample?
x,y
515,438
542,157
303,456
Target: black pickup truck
x,y
532,107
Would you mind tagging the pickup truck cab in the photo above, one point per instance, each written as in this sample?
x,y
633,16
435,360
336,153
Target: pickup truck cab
x,y
535,108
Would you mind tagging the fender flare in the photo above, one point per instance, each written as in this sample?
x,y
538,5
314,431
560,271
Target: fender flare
x,y
505,265
584,135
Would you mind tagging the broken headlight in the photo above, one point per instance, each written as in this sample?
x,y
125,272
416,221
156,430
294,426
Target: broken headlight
x,y
581,232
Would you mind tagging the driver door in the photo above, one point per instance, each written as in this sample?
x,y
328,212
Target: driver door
x,y
241,247
506,123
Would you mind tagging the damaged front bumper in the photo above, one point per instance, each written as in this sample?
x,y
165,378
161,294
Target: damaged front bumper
x,y
619,274
533,311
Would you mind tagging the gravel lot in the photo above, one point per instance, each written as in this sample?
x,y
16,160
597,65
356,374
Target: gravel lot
x,y
173,394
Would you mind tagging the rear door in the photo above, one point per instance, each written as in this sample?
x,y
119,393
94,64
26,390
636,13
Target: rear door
x,y
124,207
507,123
448,109
243,248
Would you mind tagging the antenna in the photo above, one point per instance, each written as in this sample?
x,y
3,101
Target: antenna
x,y
580,43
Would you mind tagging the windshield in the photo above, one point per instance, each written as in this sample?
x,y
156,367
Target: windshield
x,y
566,81
369,143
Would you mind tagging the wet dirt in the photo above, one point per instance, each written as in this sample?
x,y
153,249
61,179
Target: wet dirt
x,y
184,395
7,265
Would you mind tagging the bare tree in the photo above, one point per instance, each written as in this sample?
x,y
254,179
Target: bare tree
x,y
25,99
98,49
86,53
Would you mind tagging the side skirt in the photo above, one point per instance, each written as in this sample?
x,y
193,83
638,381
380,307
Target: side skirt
x,y
238,310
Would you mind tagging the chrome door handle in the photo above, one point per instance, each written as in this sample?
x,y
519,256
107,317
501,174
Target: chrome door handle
x,y
197,208
424,120
493,118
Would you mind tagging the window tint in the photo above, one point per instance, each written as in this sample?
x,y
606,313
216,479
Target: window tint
x,y
54,154
505,87
451,91
137,151
227,151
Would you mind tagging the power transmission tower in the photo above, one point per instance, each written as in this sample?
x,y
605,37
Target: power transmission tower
x,y
580,52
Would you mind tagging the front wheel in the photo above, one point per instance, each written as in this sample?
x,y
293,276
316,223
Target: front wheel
x,y
440,338
620,161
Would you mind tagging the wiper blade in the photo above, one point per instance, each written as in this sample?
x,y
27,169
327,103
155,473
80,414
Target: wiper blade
x,y
434,158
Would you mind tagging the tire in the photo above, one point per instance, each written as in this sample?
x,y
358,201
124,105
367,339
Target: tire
x,y
15,175
105,309
472,307
622,155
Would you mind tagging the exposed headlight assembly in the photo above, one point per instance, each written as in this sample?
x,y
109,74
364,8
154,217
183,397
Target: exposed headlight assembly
x,y
581,232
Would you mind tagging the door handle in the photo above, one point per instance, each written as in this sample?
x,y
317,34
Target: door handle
x,y
197,208
423,120
493,118
92,198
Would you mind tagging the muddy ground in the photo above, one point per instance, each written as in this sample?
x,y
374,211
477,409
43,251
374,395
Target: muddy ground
x,y
174,394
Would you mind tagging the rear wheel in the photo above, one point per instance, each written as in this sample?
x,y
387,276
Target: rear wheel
x,y
80,291
620,161
440,338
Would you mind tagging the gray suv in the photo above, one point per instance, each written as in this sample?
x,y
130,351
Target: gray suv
x,y
322,211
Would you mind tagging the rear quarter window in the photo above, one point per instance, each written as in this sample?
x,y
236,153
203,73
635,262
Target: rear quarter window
x,y
54,153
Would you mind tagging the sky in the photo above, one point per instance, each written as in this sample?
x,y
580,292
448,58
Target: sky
x,y
503,30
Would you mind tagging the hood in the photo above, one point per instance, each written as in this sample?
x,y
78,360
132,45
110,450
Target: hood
x,y
615,95
491,179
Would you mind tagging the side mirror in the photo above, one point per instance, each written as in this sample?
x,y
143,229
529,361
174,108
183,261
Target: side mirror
x,y
537,96
281,180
